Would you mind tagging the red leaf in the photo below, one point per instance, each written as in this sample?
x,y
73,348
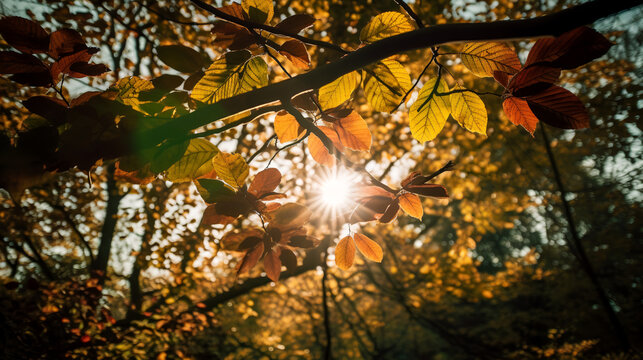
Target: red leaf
x,y
520,113
272,264
296,52
24,35
432,190
249,243
65,42
250,259
533,79
50,108
12,62
82,69
559,108
85,338
570,50
296,23
63,66
264,182
501,77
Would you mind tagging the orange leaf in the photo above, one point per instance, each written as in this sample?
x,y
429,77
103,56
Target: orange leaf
x,y
353,132
345,253
286,127
272,264
250,259
559,108
265,182
369,248
318,150
412,205
519,113
296,52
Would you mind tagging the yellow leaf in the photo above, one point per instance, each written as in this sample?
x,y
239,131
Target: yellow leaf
x,y
254,75
430,111
231,168
345,253
469,111
318,150
194,163
338,91
483,58
129,89
385,25
387,84
412,205
287,128
259,11
369,248
353,132
222,78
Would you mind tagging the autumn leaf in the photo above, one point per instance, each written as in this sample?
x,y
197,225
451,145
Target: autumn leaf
x,y
180,58
286,127
196,161
369,248
254,74
265,182
432,190
296,52
345,253
167,155
231,168
391,212
532,79
259,11
288,259
65,42
337,92
213,191
520,113
318,150
483,58
296,23
272,264
289,216
222,78
250,259
211,216
24,35
12,62
353,132
429,112
385,25
468,110
560,108
387,85
412,205
129,88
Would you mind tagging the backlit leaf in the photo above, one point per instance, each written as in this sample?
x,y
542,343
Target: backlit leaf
x,y
24,35
129,89
318,150
264,182
559,108
64,42
195,162
250,259
222,79
213,191
412,205
296,52
272,264
353,132
483,58
345,253
338,91
181,58
391,212
385,25
519,113
469,111
290,216
231,168
369,248
167,155
212,217
287,128
386,87
430,111
254,74
259,11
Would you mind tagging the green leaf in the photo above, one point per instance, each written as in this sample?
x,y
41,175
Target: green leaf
x,y
213,191
430,111
129,88
385,25
469,111
167,155
483,58
387,84
194,162
254,75
180,58
259,11
231,168
338,91
222,78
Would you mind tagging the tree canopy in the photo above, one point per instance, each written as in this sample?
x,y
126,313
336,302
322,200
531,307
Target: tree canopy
x,y
309,179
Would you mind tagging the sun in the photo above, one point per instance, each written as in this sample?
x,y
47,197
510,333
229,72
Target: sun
x,y
335,193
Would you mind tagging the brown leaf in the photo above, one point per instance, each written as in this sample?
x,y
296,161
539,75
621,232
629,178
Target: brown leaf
x,y
265,182
82,69
235,10
250,259
409,178
65,42
519,113
369,248
304,102
272,264
167,82
192,80
303,241
501,77
289,259
211,217
296,23
531,76
39,78
63,66
391,212
52,109
12,62
24,35
559,108
296,52
432,190
345,253
232,36
370,208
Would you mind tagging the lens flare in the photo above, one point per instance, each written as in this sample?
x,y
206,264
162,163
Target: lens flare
x,y
334,197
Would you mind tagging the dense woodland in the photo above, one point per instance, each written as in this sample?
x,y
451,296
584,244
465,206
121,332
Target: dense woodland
x,y
320,179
